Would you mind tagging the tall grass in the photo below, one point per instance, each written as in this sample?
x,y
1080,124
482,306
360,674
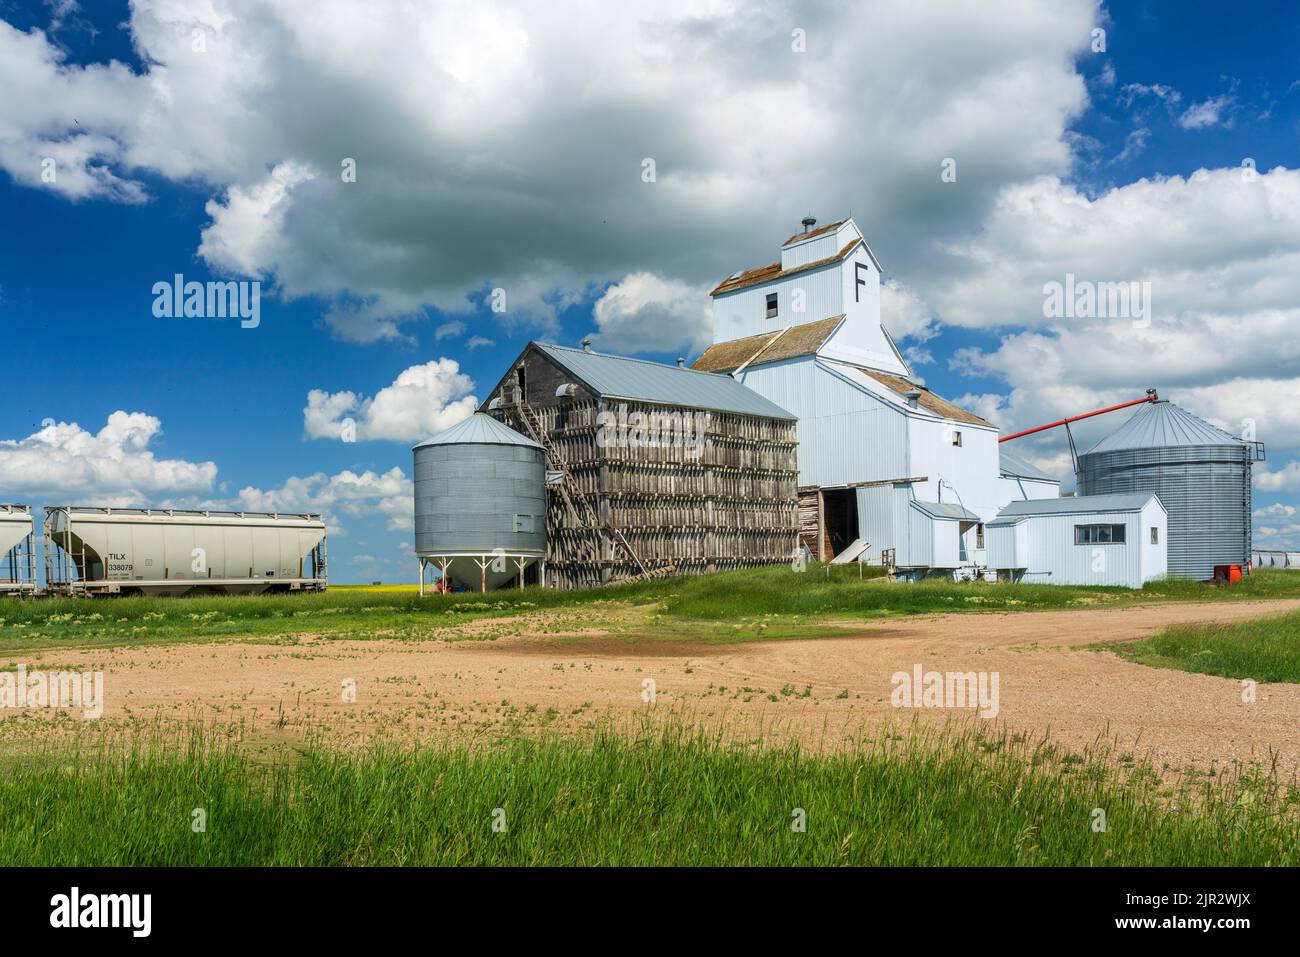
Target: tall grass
x,y
1265,649
776,590
667,797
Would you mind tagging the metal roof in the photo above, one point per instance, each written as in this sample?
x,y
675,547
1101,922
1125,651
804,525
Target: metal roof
x,y
1076,505
1012,464
479,429
948,510
640,380
1163,425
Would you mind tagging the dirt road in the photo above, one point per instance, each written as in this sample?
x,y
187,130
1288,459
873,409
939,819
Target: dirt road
x,y
820,691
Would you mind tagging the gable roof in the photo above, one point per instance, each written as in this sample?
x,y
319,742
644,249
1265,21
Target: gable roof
x,y
639,380
1075,505
479,429
1013,465
762,274
1159,425
813,234
928,401
800,340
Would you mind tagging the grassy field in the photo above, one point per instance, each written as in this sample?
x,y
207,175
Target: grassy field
x,y
743,605
655,798
1267,649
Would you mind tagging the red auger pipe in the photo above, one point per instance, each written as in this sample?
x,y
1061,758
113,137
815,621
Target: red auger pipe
x,y
1150,397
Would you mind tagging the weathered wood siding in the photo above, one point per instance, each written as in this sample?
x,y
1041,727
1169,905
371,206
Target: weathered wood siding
x,y
732,505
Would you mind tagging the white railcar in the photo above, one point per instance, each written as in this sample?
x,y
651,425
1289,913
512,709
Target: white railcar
x,y
17,555
91,550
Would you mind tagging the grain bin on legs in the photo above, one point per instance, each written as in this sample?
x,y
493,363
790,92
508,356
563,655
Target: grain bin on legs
x,y
480,505
1201,473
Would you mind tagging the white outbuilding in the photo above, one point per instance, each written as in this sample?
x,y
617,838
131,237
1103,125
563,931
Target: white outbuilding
x,y
1081,540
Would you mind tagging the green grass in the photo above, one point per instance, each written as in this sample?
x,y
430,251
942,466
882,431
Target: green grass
x,y
765,603
1265,649
777,591
657,798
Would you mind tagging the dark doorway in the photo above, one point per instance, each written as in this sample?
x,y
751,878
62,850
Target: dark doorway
x,y
519,380
841,520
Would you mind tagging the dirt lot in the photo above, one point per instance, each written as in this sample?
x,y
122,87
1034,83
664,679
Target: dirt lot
x,y
822,692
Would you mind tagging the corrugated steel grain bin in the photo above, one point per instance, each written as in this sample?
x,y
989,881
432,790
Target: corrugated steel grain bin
x,y
1201,473
92,550
480,503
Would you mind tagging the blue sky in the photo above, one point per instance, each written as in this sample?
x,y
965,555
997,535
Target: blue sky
x,y
503,152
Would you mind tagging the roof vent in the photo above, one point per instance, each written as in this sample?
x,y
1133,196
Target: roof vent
x,y
913,397
681,362
808,223
586,344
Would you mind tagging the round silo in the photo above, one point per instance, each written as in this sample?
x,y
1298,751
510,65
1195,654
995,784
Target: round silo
x,y
1201,473
480,503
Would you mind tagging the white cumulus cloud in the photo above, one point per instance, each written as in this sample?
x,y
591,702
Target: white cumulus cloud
x,y
421,401
114,466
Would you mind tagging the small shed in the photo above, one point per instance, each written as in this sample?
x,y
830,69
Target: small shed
x,y
1082,540
1272,558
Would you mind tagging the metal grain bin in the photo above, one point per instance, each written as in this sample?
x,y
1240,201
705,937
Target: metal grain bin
x,y
1202,475
480,503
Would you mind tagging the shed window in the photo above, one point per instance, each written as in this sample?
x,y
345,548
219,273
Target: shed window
x,y
771,305
979,535
1099,534
1155,535
956,438
523,523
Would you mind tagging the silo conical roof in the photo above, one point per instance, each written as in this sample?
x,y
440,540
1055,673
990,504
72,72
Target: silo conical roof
x,y
1160,425
479,429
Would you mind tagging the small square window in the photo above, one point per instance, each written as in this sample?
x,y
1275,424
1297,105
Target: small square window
x,y
1155,535
771,305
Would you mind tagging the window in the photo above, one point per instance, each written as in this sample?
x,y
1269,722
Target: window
x,y
979,535
1099,534
523,523
1155,535
771,305
956,438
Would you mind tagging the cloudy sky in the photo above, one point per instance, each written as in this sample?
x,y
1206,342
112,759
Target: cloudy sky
x,y
423,187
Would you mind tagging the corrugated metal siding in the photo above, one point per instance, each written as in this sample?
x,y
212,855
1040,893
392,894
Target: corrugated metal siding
x,y
744,313
920,540
845,434
828,244
883,521
1002,546
1206,490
